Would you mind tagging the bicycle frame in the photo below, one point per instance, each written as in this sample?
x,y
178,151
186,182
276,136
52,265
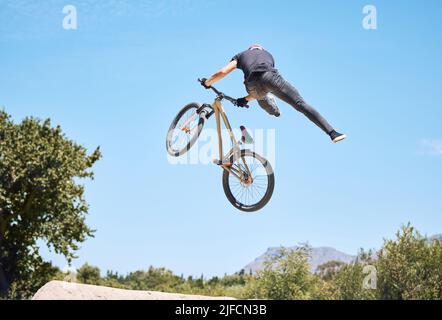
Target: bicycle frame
x,y
235,151
220,113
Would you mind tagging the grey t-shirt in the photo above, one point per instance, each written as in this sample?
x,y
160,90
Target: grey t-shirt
x,y
254,60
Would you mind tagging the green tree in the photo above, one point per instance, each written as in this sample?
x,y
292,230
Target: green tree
x,y
410,267
89,274
159,279
348,282
40,199
233,280
328,270
286,276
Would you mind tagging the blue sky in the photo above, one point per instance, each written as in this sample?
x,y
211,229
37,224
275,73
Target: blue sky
x,y
119,79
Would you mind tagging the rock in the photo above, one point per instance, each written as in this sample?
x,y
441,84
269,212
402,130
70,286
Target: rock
x,y
59,290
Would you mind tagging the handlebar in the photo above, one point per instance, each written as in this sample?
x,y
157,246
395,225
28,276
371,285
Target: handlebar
x,y
222,95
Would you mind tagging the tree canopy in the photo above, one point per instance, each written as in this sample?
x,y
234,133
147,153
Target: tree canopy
x,y
41,198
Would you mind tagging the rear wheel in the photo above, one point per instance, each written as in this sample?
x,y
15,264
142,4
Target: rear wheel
x,y
250,182
184,130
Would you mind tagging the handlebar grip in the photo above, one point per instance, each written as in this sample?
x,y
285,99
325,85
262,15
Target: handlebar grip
x,y
204,85
201,80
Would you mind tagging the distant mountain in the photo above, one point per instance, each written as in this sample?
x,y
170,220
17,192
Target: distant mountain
x,y
318,256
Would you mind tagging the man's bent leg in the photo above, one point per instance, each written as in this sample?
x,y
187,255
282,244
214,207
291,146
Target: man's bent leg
x,y
269,105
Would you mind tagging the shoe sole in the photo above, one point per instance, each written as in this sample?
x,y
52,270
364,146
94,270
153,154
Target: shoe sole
x,y
340,138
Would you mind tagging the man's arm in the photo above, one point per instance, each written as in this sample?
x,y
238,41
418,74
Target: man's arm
x,y
221,73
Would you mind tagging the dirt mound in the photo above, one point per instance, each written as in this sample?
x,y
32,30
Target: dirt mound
x,y
59,290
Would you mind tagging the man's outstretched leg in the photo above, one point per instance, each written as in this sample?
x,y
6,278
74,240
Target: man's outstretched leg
x,y
286,92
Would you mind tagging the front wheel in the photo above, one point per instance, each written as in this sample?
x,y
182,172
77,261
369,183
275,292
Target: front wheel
x,y
184,130
249,182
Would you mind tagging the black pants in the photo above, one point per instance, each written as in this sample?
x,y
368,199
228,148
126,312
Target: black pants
x,y
259,85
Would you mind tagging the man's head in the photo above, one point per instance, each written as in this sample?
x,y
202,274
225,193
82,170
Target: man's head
x,y
256,46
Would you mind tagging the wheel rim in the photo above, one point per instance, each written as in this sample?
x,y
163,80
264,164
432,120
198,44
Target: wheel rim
x,y
252,188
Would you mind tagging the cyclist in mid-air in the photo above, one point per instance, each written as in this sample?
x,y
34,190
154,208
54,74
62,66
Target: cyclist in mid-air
x,y
261,78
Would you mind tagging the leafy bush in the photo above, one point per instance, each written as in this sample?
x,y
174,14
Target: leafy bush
x,y
410,267
286,276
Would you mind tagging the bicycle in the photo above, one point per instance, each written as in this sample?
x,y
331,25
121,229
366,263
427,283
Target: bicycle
x,y
246,174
